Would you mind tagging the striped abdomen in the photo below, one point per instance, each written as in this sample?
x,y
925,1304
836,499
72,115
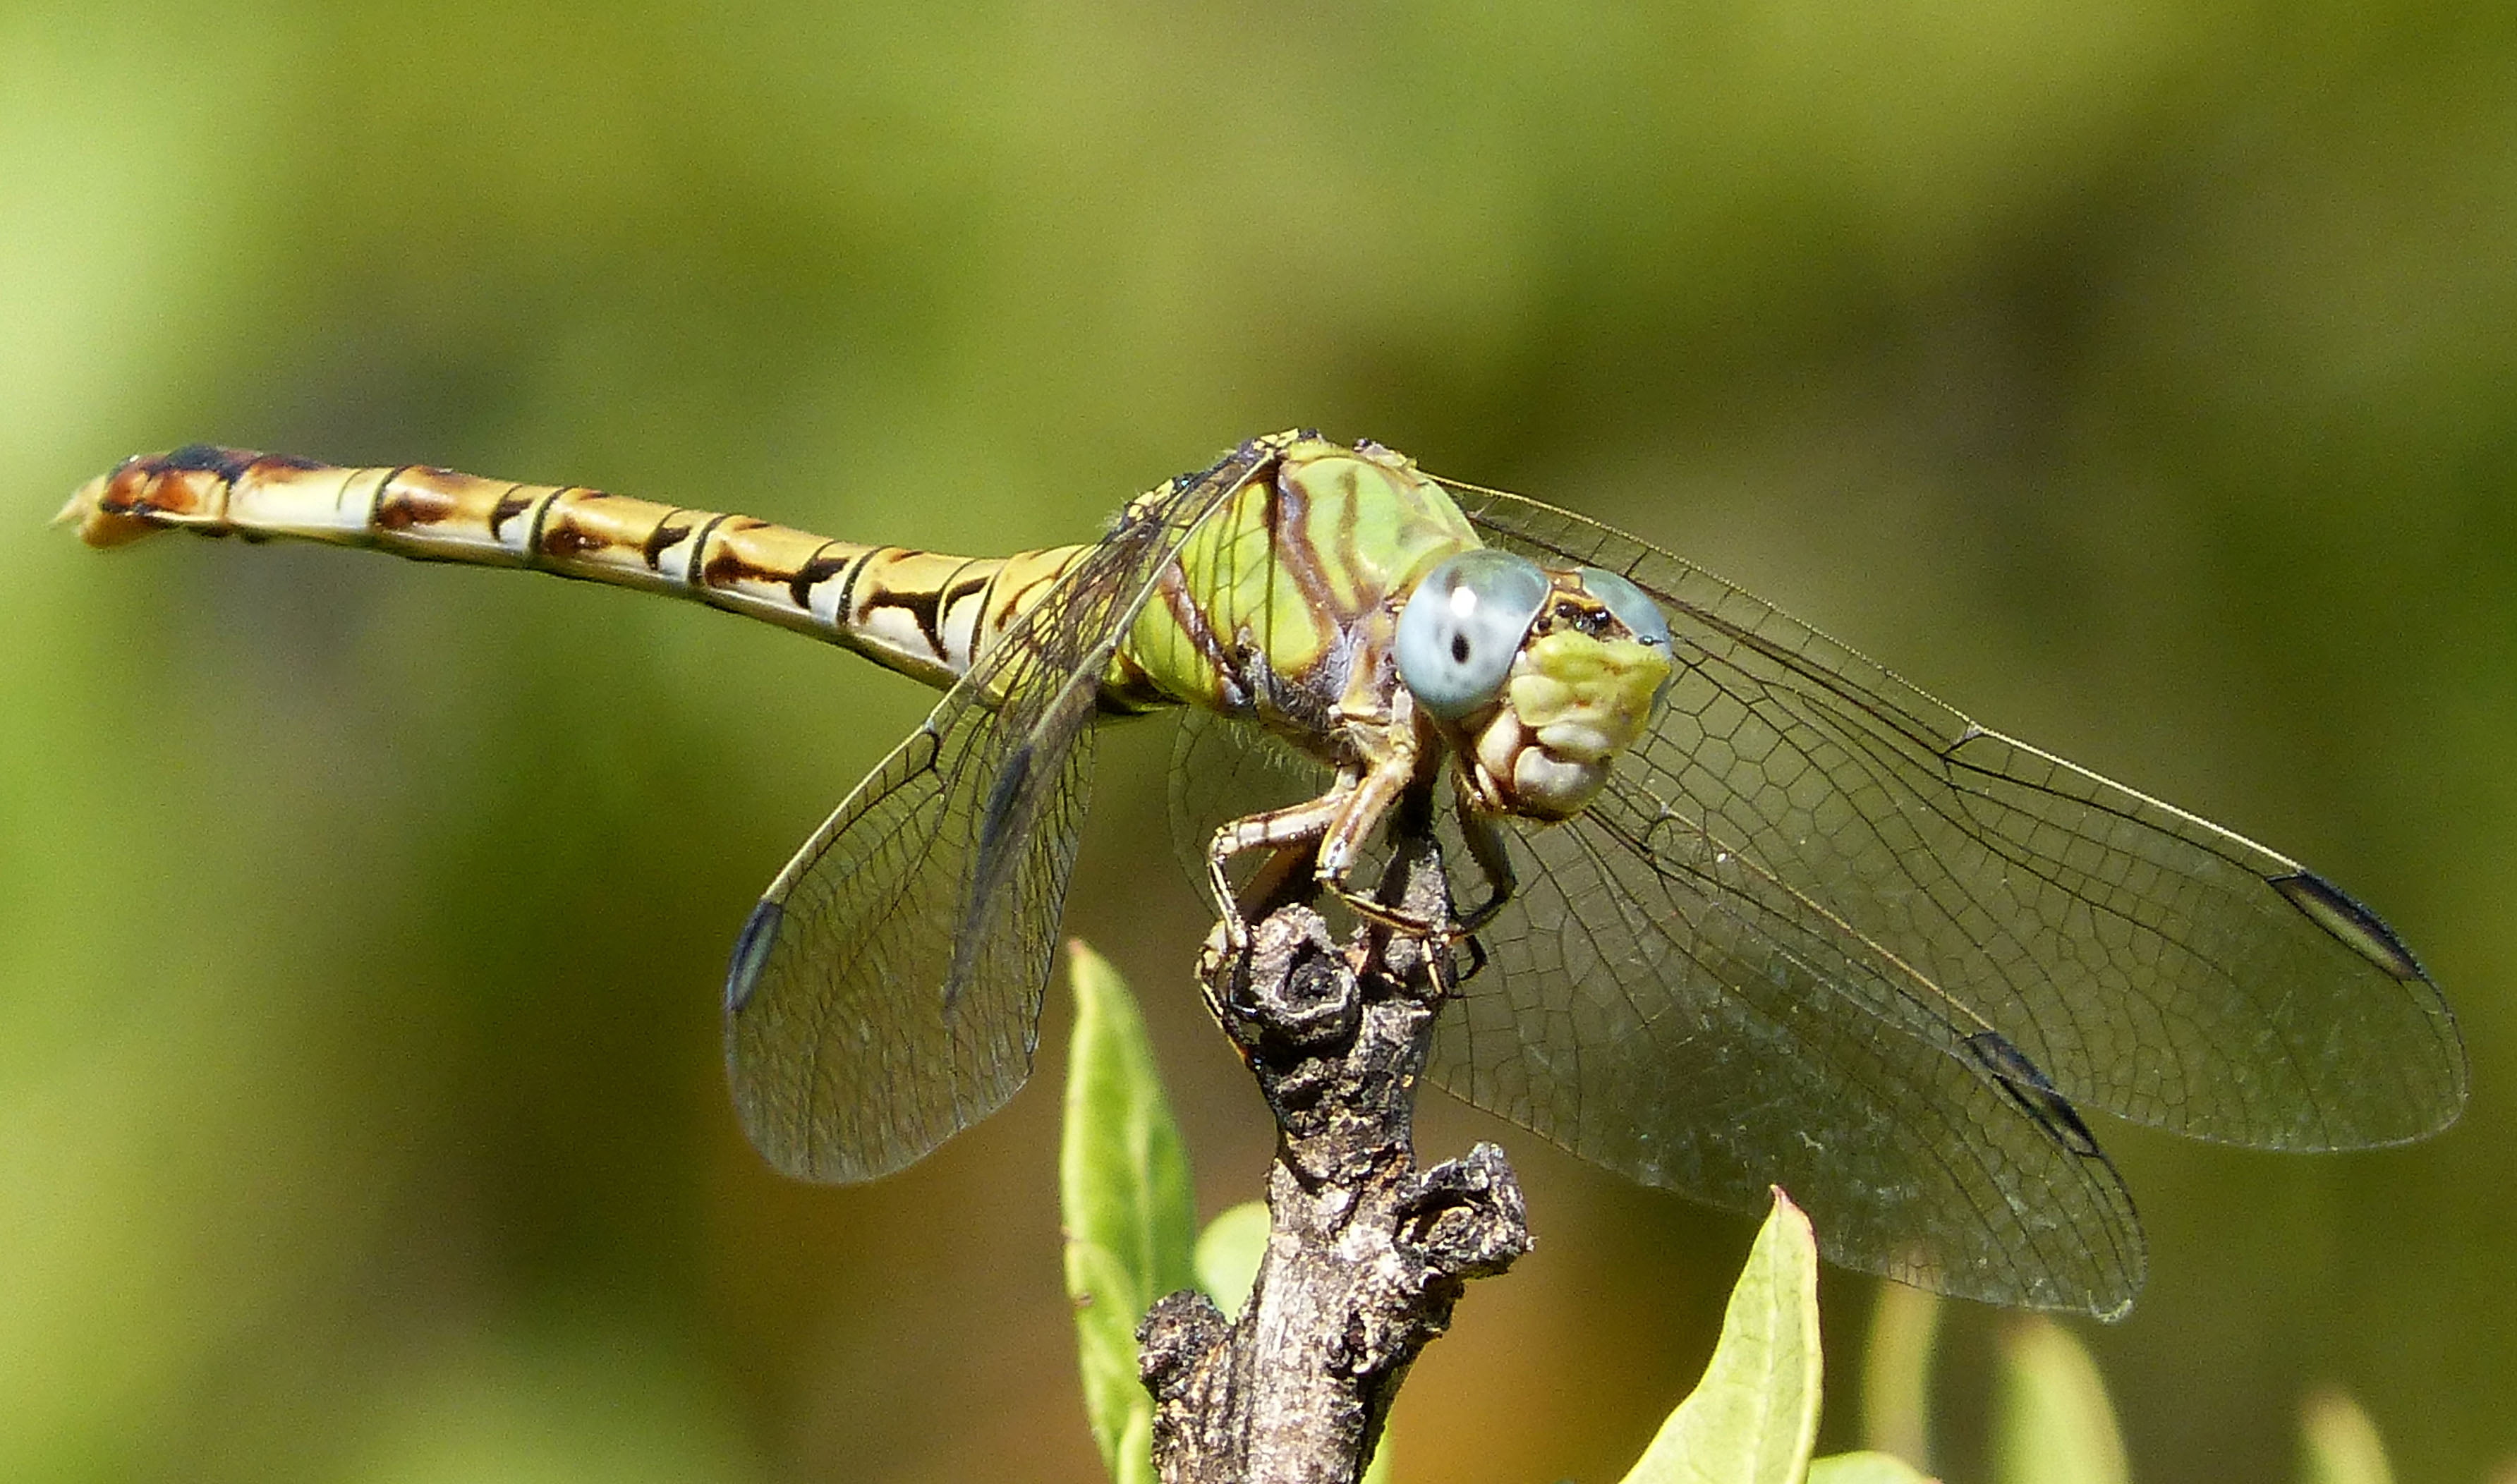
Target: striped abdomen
x,y
920,612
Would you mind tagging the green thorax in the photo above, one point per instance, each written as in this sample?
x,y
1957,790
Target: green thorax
x,y
1293,574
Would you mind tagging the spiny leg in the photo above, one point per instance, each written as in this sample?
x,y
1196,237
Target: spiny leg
x,y
1340,822
1277,830
1489,848
1383,784
1480,829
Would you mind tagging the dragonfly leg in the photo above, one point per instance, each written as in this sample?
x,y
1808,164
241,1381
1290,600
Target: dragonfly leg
x,y
1276,829
1487,848
1343,821
1284,877
1375,794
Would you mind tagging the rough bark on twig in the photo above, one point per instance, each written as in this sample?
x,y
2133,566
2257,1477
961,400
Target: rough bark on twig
x,y
1366,1255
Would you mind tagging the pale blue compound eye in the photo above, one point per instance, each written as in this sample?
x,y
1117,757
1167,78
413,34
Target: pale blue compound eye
x,y
1463,625
1629,605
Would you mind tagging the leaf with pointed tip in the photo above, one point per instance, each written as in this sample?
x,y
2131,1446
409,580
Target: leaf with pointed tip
x,y
1753,1418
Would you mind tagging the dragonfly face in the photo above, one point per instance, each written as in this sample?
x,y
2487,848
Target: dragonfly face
x,y
1538,678
1381,636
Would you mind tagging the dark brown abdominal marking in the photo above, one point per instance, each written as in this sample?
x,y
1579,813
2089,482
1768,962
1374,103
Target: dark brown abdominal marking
x,y
955,592
921,608
724,568
815,572
510,505
406,503
669,533
568,539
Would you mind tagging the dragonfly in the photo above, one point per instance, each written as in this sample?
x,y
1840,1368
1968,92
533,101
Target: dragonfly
x,y
1748,910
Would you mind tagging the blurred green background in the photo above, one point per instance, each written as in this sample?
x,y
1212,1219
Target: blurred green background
x,y
2138,377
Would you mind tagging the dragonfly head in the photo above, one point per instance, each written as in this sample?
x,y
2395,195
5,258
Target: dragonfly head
x,y
1539,677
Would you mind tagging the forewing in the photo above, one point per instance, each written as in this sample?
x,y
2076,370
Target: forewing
x,y
886,991
2151,963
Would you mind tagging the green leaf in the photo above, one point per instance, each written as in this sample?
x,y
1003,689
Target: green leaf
x,y
2342,1446
1228,1253
1754,1417
1866,1469
1130,1218
1897,1371
2056,1425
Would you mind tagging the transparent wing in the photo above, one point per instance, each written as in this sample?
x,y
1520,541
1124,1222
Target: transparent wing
x,y
1223,770
1660,1008
1958,882
1657,1005
886,991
